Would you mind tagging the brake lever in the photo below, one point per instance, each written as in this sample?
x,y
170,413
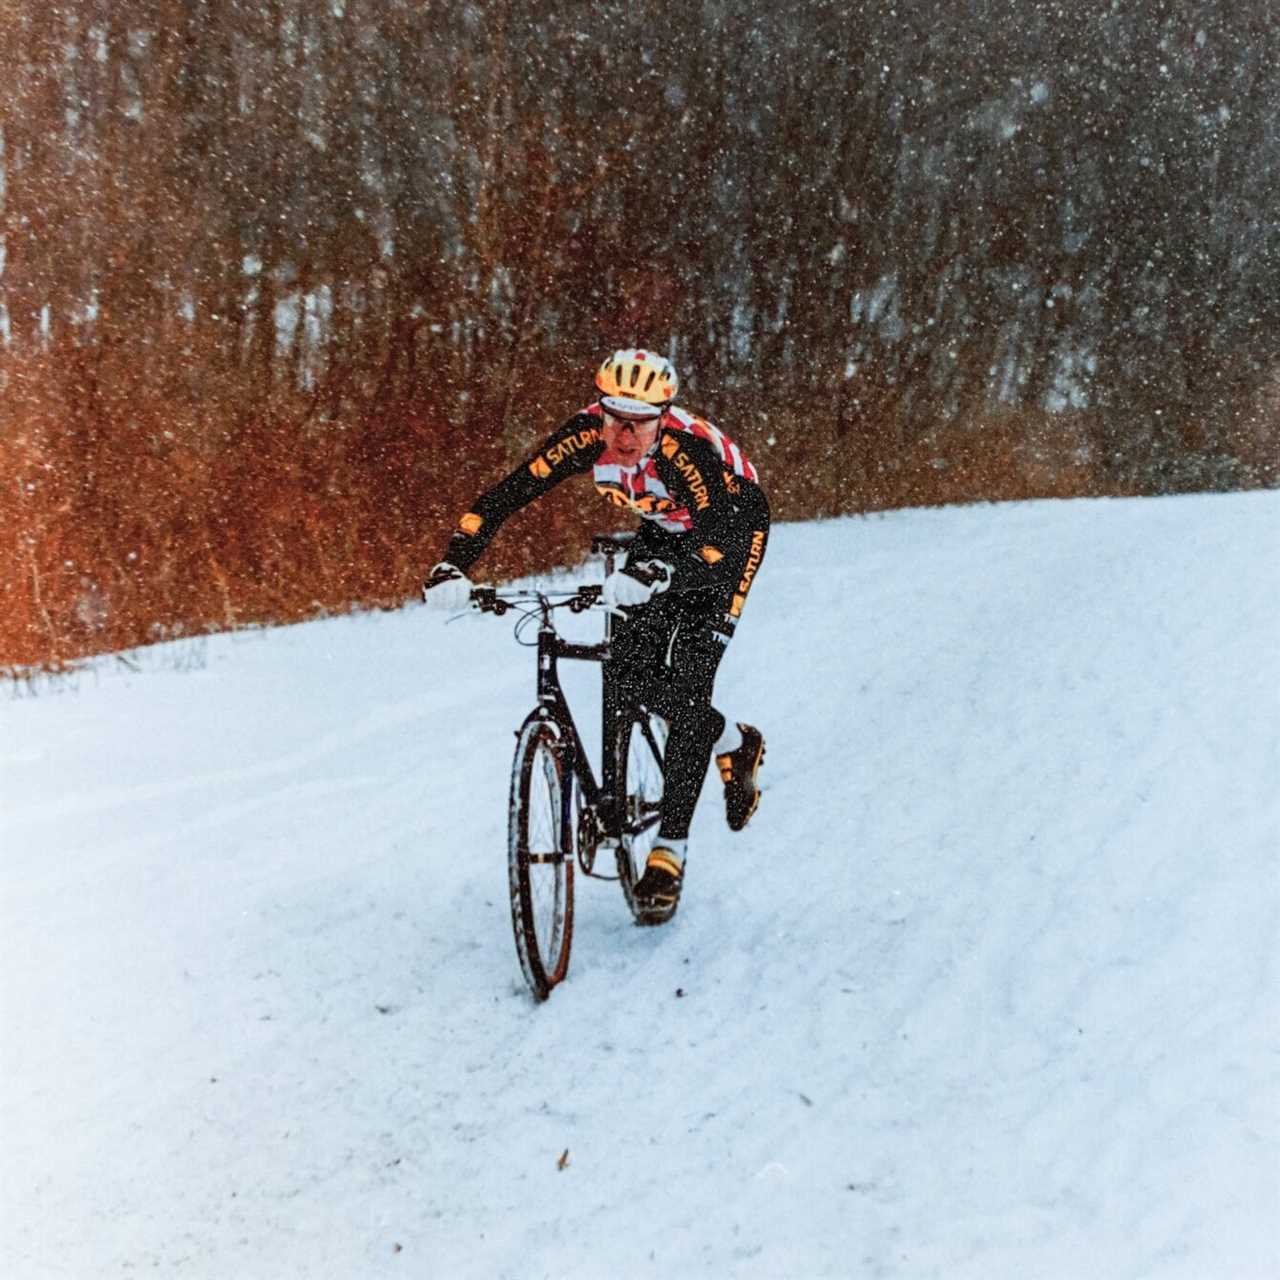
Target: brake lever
x,y
586,597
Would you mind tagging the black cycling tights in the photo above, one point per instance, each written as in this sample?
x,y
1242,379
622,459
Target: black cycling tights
x,y
666,657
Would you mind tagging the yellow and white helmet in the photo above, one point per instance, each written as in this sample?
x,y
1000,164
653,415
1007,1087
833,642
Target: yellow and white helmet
x,y
637,384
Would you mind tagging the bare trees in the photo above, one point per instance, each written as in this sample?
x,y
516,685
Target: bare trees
x,y
284,280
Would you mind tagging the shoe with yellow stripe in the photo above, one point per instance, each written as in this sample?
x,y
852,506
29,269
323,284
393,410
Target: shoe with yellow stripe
x,y
657,892
738,771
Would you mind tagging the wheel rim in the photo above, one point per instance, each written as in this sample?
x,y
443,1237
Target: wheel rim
x,y
545,856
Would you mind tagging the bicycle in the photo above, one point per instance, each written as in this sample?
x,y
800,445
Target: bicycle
x,y
558,812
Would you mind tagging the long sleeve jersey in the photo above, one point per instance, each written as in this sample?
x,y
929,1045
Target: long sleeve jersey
x,y
702,507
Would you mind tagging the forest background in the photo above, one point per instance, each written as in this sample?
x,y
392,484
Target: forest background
x,y
285,283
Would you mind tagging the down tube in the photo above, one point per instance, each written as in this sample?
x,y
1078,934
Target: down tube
x,y
579,762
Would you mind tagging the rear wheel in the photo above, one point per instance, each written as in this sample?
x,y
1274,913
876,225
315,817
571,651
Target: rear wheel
x,y
640,746
540,855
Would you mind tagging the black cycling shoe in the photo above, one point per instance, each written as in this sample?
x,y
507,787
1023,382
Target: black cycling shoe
x,y
738,771
657,892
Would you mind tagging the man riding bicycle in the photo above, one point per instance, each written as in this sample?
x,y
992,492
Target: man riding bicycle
x,y
701,542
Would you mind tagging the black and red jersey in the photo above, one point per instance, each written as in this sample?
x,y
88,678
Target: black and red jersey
x,y
696,491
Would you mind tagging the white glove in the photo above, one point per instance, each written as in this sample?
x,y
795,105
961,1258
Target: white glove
x,y
623,590
447,587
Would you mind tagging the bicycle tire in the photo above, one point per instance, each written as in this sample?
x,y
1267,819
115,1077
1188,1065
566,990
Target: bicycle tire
x,y
639,746
540,855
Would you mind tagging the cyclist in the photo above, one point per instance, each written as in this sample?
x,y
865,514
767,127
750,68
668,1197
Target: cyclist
x,y
702,539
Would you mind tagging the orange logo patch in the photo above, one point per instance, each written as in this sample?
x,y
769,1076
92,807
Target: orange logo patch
x,y
749,570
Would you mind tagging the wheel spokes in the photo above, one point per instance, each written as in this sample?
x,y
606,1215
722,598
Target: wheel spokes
x,y
540,855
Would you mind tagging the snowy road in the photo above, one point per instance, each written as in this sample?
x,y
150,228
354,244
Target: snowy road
x,y
987,989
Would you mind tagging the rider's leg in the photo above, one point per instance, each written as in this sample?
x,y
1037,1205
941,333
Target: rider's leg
x,y
695,724
690,743
681,693
666,657
669,654
698,730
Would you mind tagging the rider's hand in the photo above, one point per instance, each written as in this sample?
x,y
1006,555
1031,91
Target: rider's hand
x,y
447,587
625,589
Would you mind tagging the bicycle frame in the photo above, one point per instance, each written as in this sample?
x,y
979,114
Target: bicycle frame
x,y
557,807
601,796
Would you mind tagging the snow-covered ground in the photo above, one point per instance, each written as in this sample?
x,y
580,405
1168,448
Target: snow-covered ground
x,y
987,989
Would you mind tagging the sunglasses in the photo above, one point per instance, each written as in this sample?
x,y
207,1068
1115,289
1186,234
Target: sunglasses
x,y
637,425
633,411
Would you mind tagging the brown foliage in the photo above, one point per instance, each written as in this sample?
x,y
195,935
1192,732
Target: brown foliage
x,y
129,518
462,210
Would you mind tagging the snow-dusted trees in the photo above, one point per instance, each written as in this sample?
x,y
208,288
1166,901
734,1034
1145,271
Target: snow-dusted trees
x,y
265,263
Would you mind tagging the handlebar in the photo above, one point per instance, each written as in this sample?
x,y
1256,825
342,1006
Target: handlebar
x,y
492,600
581,598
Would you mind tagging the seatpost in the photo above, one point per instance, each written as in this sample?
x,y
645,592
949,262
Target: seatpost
x,y
610,557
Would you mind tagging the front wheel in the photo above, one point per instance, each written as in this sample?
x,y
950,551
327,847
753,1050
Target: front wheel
x,y
540,855
640,747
